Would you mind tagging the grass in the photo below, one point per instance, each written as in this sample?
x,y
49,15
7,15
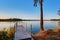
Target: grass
x,y
4,36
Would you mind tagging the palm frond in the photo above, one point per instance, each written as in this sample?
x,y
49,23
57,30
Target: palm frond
x,y
59,12
35,2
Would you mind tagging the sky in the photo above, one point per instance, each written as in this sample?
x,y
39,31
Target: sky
x,y
24,9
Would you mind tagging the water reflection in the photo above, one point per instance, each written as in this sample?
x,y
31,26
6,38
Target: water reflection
x,y
59,24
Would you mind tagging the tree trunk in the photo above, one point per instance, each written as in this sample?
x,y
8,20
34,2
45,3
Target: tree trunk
x,y
41,16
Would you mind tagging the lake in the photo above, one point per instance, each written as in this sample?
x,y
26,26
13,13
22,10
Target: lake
x,y
47,25
35,25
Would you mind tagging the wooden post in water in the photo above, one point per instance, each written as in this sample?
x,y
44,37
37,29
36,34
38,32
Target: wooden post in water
x,y
31,30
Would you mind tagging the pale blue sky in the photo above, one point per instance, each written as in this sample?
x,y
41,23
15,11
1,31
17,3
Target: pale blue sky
x,y
25,9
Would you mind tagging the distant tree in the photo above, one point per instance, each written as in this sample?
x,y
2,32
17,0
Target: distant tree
x,y
41,12
59,12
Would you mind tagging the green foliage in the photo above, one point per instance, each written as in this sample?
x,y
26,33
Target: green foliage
x,y
4,36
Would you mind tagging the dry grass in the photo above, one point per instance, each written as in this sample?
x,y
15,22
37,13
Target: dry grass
x,y
47,35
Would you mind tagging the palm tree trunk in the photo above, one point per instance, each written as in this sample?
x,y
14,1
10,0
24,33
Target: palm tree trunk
x,y
41,17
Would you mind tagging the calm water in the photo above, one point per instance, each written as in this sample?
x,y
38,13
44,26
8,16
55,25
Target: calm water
x,y
35,25
47,25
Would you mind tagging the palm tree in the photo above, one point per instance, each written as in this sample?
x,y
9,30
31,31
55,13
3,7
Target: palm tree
x,y
41,12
